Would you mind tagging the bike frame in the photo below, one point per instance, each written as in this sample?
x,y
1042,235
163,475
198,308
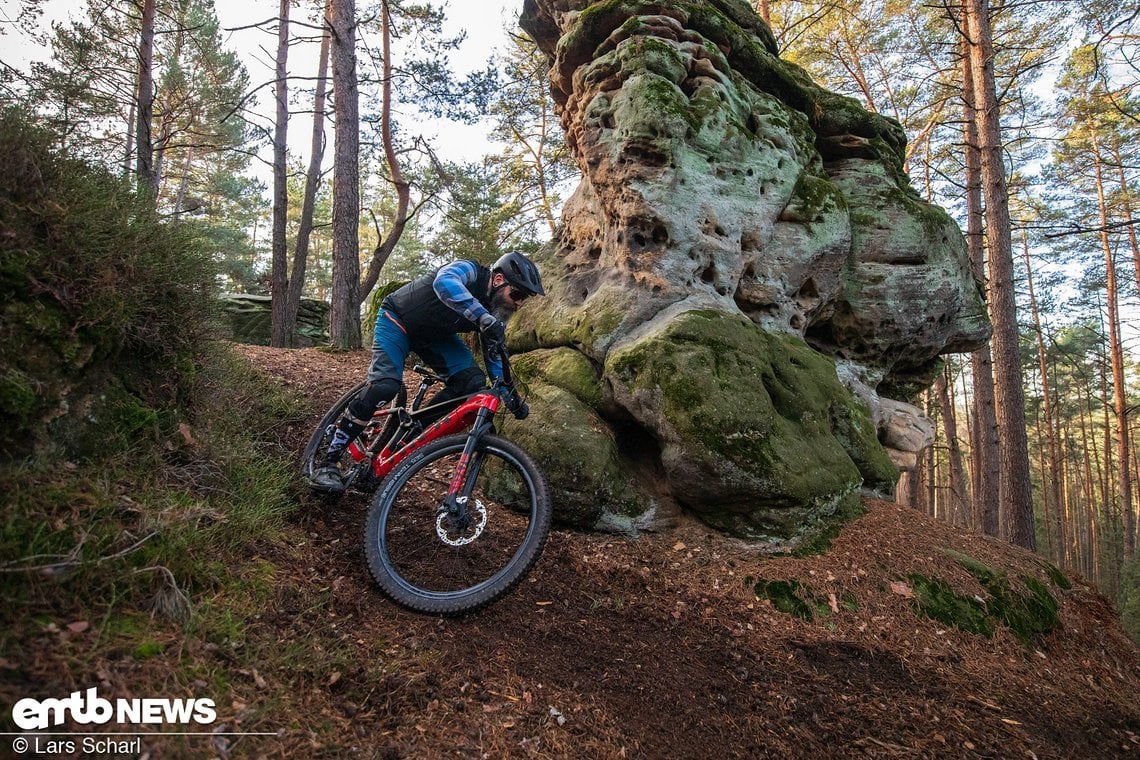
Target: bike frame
x,y
473,414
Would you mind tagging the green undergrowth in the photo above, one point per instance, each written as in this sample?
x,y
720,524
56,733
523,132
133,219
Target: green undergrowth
x,y
144,526
799,600
1026,608
149,549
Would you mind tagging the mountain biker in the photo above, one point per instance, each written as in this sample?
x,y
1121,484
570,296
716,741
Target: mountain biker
x,y
426,316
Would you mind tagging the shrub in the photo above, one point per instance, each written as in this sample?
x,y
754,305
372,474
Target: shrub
x,y
104,305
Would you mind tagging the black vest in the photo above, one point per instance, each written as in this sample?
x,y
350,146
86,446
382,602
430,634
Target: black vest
x,y
425,317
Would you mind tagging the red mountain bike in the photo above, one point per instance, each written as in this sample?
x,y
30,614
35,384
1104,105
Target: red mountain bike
x,y
458,518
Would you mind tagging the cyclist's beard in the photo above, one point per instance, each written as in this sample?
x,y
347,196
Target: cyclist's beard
x,y
501,309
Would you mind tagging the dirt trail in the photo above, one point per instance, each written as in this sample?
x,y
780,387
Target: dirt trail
x,y
658,647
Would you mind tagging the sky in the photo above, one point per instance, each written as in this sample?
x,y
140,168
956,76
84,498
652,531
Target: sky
x,y
486,23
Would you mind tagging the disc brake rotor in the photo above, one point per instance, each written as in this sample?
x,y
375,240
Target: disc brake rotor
x,y
478,521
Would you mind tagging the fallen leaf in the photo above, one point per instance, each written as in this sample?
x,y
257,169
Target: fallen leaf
x,y
184,429
334,678
833,603
78,626
679,546
902,589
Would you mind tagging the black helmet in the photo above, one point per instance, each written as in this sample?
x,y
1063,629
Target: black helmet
x,y
520,272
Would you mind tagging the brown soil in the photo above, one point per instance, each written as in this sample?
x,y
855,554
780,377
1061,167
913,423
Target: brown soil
x,y
651,647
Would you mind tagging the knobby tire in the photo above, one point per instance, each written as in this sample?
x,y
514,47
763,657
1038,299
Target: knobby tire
x,y
418,570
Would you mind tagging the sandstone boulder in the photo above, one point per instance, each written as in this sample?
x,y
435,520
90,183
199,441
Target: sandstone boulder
x,y
738,231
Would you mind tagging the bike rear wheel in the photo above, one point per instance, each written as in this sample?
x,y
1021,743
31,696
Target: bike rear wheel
x,y
322,436
423,560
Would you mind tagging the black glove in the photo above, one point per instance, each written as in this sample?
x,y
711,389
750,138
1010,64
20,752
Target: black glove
x,y
492,332
517,406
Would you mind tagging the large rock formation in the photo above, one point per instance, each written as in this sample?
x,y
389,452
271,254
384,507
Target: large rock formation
x,y
743,270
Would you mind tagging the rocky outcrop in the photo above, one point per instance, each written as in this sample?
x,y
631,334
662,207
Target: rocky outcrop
x,y
249,320
738,231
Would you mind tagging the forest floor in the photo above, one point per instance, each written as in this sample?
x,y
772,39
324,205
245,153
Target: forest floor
x,y
648,647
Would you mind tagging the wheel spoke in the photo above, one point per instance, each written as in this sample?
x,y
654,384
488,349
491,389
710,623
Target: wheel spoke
x,y
444,559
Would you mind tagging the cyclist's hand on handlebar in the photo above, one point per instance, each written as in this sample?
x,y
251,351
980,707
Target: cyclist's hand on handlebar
x,y
492,331
514,402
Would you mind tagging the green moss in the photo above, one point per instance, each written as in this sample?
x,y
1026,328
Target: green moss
x,y
936,599
565,368
829,530
1028,615
1055,575
589,478
18,398
755,410
812,198
794,598
147,649
786,597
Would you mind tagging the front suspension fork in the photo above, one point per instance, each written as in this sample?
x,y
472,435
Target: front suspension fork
x,y
466,471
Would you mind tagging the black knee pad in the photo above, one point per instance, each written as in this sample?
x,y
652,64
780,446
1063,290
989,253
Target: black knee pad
x,y
376,393
466,381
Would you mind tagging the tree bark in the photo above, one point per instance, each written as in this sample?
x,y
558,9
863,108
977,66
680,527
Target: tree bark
x,y
344,317
279,268
1052,479
1116,353
385,245
1134,245
762,9
1015,505
312,183
145,176
983,430
960,498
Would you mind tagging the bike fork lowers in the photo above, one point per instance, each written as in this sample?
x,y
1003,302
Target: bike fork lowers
x,y
467,470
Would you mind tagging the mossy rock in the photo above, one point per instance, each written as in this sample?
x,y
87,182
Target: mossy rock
x,y
759,436
591,482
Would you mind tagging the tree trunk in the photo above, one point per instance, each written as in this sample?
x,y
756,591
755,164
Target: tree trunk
x,y
1051,479
279,268
762,9
1116,352
960,499
385,245
145,175
1134,244
983,430
1088,446
1015,505
312,183
129,146
344,317
183,183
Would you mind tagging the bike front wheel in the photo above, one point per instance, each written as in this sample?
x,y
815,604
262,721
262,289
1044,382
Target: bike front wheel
x,y
426,559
